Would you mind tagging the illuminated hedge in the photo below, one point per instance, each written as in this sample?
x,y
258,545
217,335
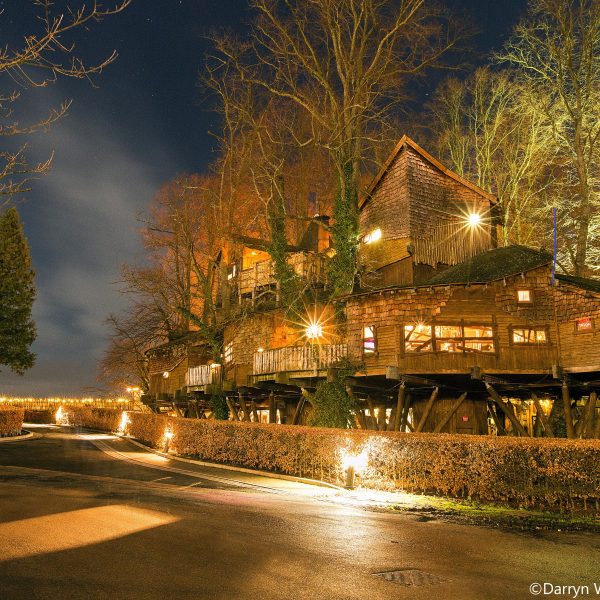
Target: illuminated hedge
x,y
551,474
11,421
39,416
106,419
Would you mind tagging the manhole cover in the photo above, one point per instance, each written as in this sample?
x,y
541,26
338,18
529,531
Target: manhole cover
x,y
409,577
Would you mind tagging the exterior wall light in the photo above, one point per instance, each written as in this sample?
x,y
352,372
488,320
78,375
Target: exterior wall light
x,y
353,464
474,219
166,374
313,331
372,236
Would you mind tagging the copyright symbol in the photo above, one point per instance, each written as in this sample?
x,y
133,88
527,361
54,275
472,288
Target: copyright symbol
x,y
535,589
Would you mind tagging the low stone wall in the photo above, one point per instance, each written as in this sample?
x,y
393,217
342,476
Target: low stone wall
x,y
560,475
11,421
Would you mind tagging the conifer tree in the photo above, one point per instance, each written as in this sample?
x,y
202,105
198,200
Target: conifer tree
x,y
17,293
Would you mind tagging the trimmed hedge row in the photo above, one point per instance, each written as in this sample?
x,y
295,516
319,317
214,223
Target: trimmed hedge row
x,y
106,419
42,417
550,474
11,421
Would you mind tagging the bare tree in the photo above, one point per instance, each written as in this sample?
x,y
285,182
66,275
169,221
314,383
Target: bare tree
x,y
556,49
345,63
46,53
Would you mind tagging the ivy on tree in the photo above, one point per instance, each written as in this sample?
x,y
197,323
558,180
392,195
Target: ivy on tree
x,y
17,293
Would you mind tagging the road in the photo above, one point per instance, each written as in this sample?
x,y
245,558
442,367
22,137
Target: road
x,y
91,516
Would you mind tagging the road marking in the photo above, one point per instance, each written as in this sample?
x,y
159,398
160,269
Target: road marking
x,y
161,479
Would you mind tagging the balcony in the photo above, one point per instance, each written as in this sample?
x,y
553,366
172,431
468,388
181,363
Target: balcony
x,y
307,265
311,357
203,375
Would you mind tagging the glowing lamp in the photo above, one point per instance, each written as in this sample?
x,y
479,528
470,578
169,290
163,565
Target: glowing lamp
x,y
352,464
314,331
168,435
474,219
166,374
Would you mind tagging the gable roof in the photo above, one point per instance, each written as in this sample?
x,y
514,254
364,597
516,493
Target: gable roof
x,y
585,283
493,265
406,141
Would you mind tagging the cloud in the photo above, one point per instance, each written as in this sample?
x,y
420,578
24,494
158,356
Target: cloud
x,y
81,225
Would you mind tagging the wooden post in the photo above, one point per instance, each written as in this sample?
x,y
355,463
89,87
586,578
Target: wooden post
x,y
232,408
362,420
449,414
588,415
508,410
298,411
272,409
244,407
404,420
392,422
566,397
254,411
382,418
542,416
496,417
399,406
427,410
372,418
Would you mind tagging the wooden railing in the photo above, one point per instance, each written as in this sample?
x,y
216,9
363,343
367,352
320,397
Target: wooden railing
x,y
307,265
203,375
310,357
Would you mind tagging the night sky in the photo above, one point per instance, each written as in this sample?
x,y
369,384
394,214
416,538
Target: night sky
x,y
144,122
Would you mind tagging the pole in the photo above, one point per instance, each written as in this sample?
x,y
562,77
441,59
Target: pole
x,y
554,250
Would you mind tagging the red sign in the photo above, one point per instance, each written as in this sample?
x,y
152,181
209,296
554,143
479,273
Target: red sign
x,y
465,418
584,324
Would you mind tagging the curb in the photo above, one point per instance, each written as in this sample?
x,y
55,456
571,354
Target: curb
x,y
17,438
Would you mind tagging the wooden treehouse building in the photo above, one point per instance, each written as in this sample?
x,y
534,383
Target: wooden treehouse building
x,y
448,331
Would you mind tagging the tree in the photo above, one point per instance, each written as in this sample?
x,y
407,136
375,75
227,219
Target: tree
x,y
17,293
556,50
46,53
346,65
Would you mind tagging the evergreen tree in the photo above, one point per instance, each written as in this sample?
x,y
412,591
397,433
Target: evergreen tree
x,y
17,292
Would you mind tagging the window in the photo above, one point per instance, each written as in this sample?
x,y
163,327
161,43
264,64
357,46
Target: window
x,y
228,353
523,296
535,335
372,236
584,324
417,338
369,345
449,338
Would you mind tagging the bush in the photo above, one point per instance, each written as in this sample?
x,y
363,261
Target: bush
x,y
105,419
551,474
39,416
11,421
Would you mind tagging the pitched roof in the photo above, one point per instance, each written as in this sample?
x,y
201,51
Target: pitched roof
x,y
581,282
493,265
406,141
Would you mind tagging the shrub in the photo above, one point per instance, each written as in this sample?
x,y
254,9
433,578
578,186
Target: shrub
x,y
553,474
105,419
39,416
11,421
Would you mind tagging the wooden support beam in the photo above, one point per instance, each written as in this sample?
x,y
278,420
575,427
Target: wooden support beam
x,y
232,409
596,433
177,410
449,414
588,415
272,409
427,410
298,411
399,406
244,406
508,410
392,422
566,398
404,420
497,418
382,418
372,417
254,411
543,418
362,420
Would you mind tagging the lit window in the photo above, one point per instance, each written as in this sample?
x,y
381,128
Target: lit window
x,y
417,338
228,353
529,336
524,295
456,338
373,236
584,324
231,275
369,345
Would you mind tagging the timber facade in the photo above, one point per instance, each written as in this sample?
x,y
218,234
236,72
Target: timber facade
x,y
446,331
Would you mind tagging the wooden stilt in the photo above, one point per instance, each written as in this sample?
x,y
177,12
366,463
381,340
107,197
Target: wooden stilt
x,y
272,409
381,418
542,417
244,407
588,415
567,411
298,411
404,420
508,410
498,419
392,422
449,414
373,419
362,419
427,410
254,411
399,406
232,409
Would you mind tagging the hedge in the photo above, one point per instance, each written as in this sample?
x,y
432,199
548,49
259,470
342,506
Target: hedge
x,y
106,419
11,421
551,474
45,416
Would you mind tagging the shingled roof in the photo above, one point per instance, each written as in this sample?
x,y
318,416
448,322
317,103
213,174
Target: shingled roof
x,y
581,282
493,265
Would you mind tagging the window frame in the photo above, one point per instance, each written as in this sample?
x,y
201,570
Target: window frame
x,y
544,328
369,353
228,353
525,302
462,339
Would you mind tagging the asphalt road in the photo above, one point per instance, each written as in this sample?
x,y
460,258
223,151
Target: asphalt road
x,y
90,516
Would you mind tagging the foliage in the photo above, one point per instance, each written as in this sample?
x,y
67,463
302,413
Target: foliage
x,y
11,421
17,293
39,416
551,474
218,404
